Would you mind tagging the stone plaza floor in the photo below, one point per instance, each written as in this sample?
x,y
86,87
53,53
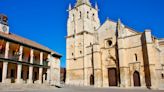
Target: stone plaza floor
x,y
46,88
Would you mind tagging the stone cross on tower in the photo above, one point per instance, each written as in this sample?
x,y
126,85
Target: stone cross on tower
x,y
79,2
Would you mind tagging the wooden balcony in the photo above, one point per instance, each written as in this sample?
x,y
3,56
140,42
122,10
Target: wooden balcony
x,y
45,63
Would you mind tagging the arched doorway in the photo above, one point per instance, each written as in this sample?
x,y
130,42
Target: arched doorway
x,y
112,76
136,79
0,74
91,80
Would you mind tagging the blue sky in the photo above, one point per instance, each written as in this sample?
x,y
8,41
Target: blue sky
x,y
44,21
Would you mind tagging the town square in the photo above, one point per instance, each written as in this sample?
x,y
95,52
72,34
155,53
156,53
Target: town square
x,y
81,46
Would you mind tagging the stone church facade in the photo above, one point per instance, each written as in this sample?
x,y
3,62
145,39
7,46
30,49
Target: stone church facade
x,y
23,61
110,54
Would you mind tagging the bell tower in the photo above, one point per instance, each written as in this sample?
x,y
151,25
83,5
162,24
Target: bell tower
x,y
81,25
4,24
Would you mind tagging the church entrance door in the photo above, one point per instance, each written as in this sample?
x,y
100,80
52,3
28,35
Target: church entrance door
x,y
136,78
112,77
91,80
0,74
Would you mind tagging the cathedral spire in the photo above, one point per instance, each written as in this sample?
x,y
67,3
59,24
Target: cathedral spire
x,y
120,29
119,24
70,7
79,2
96,6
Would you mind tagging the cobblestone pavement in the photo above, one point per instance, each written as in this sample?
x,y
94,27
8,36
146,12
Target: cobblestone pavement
x,y
46,88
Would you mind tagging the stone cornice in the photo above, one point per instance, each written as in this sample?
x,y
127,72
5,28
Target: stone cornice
x,y
131,47
129,36
80,33
23,63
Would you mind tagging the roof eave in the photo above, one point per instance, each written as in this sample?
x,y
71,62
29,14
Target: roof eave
x,y
56,55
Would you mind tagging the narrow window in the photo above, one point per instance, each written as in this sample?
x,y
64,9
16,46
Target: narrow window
x,y
93,16
162,75
87,14
73,36
136,57
80,52
109,43
72,54
80,14
73,16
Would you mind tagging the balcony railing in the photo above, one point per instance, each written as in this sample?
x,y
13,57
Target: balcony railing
x,y
36,62
15,57
2,55
45,63
24,59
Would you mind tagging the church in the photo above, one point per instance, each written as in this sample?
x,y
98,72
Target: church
x,y
110,54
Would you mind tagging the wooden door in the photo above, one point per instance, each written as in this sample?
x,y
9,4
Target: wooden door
x,y
112,76
136,79
91,80
35,76
12,76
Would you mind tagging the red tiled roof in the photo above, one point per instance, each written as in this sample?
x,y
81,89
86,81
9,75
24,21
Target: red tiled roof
x,y
28,42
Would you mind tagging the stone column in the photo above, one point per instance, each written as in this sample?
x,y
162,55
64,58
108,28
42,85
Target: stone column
x,y
40,75
31,56
30,80
5,64
40,68
19,71
48,76
7,50
41,58
4,75
49,70
31,67
21,53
